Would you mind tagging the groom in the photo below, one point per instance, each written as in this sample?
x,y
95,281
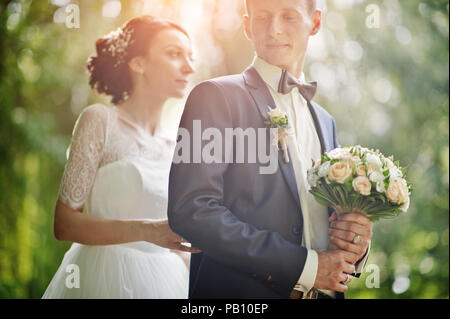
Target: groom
x,y
262,235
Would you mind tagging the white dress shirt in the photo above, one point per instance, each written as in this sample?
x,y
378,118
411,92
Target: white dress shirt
x,y
304,145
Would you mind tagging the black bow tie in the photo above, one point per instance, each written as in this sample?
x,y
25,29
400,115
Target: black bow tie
x,y
288,82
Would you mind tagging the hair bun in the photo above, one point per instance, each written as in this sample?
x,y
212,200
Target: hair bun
x,y
107,75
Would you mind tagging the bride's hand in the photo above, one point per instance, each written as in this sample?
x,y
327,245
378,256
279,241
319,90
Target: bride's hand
x,y
159,233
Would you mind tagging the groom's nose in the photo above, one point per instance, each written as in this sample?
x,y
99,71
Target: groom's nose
x,y
275,27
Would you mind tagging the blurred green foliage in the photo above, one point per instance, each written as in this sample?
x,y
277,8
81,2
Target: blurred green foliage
x,y
387,87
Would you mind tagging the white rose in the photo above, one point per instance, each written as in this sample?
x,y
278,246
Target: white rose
x,y
339,153
371,167
324,169
405,205
376,176
362,185
355,160
346,156
340,172
276,113
312,178
389,163
373,159
381,188
397,191
395,173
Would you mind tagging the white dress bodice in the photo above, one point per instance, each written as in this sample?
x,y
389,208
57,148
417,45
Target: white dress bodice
x,y
117,171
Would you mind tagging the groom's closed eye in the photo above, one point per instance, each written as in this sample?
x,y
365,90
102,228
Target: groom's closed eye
x,y
290,17
261,16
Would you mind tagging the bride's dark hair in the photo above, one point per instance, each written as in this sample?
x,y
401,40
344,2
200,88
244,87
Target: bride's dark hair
x,y
108,69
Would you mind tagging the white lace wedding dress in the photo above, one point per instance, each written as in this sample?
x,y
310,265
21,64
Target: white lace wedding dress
x,y
118,172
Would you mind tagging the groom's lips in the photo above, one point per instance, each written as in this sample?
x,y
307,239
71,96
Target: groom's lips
x,y
277,46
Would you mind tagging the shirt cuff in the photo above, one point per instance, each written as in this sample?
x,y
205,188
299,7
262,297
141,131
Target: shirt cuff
x,y
309,273
360,265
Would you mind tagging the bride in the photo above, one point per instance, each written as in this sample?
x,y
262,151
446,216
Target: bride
x,y
118,168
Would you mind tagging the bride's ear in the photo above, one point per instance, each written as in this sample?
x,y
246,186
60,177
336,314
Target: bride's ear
x,y
136,65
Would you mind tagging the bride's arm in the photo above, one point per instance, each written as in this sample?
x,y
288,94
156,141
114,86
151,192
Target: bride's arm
x,y
75,226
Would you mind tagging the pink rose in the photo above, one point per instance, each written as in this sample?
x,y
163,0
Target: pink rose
x,y
362,185
340,172
397,191
361,170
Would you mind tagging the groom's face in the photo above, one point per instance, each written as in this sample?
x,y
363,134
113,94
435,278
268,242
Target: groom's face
x,y
280,30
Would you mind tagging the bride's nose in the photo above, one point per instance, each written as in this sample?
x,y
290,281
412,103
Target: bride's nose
x,y
188,66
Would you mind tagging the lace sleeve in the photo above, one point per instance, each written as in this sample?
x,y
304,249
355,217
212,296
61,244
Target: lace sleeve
x,y
85,153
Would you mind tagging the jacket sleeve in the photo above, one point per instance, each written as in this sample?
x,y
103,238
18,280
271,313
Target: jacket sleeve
x,y
196,209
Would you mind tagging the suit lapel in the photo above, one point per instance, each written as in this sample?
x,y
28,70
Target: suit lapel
x,y
262,98
318,125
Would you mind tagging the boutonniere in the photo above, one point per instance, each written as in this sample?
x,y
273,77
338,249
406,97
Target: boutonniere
x,y
278,119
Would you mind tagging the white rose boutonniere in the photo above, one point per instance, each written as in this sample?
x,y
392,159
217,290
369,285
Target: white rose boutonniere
x,y
278,119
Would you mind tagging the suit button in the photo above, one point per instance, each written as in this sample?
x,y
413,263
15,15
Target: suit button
x,y
296,230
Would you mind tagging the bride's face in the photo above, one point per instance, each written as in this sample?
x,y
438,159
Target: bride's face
x,y
168,64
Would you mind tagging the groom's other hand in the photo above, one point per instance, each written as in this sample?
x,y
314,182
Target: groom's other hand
x,y
344,229
334,269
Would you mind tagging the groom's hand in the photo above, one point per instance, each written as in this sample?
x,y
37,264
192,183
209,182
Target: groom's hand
x,y
333,269
345,227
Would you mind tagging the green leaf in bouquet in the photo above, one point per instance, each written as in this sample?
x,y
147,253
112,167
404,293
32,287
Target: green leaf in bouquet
x,y
331,193
403,169
321,196
386,172
334,161
348,186
322,201
325,158
340,194
397,163
376,196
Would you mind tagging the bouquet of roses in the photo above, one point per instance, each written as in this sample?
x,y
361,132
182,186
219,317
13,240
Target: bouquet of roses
x,y
360,179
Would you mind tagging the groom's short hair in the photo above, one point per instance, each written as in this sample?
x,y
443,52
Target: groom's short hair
x,y
312,5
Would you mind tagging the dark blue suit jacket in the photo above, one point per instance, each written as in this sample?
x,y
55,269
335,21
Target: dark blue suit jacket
x,y
248,225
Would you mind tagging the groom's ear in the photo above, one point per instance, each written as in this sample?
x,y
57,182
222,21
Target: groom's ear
x,y
317,21
247,29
